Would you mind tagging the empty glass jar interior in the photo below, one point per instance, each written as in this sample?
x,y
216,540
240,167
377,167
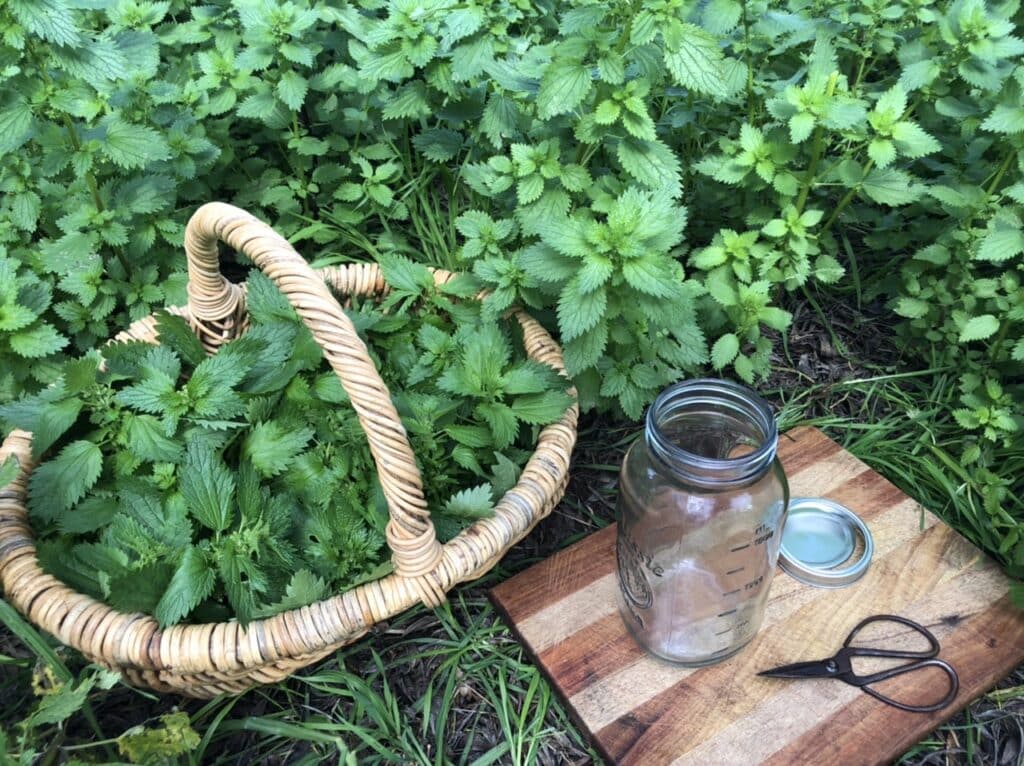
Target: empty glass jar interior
x,y
702,499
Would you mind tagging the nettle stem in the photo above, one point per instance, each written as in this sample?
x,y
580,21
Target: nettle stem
x,y
845,200
1000,173
817,146
90,179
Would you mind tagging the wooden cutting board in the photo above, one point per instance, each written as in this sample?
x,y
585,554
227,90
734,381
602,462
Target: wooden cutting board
x,y
641,710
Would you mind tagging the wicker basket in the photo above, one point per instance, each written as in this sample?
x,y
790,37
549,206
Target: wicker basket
x,y
209,659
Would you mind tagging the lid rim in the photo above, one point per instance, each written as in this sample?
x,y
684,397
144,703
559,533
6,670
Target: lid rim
x,y
820,576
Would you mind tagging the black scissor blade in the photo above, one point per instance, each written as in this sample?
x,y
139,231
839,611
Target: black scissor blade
x,y
813,669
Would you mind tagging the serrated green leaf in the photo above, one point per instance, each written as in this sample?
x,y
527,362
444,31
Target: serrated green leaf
x,y
541,409
146,439
801,125
271,448
724,350
472,503
529,377
16,124
501,420
193,581
476,437
912,141
579,311
49,19
404,274
36,341
979,328
651,163
563,87
141,590
207,487
132,146
60,482
1000,244
292,89
585,351
892,187
174,332
882,152
438,144
694,59
410,101
1005,119
530,188
303,588
9,470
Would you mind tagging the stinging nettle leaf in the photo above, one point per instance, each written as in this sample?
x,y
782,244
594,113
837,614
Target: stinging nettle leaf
x,y
132,146
694,59
979,328
292,89
192,582
889,186
724,350
62,481
1001,244
208,487
562,88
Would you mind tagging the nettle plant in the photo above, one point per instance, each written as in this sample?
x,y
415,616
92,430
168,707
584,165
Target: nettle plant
x,y
652,178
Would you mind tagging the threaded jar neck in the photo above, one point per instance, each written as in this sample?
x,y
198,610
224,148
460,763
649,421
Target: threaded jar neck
x,y
712,433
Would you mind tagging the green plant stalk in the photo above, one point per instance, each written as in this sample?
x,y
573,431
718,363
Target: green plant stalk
x,y
844,201
90,178
817,148
1000,173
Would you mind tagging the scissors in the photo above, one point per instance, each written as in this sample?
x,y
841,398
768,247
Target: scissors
x,y
839,665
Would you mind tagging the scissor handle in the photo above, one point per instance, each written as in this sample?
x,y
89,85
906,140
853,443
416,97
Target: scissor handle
x,y
899,654
954,685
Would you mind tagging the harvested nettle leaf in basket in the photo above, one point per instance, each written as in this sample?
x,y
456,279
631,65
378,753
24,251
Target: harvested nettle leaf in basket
x,y
225,493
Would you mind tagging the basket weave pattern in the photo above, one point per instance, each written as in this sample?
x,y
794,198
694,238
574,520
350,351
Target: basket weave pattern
x,y
209,659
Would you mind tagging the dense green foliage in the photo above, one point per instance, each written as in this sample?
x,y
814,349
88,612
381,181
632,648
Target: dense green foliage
x,y
185,483
549,151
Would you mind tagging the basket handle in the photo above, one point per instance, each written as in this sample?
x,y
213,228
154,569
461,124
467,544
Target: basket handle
x,y
217,307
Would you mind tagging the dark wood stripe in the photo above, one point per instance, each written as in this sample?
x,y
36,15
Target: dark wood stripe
x,y
597,651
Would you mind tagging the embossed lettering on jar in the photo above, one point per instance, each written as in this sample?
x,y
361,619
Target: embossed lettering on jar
x,y
702,501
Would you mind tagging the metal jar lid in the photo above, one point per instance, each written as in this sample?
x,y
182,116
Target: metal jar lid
x,y
821,535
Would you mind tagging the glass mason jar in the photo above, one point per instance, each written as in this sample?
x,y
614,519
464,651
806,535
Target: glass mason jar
x,y
702,500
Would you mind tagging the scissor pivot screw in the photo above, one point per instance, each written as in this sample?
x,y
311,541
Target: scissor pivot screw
x,y
831,666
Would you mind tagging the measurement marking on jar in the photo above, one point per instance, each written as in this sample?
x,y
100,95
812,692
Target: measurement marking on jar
x,y
734,571
726,614
723,632
732,592
733,550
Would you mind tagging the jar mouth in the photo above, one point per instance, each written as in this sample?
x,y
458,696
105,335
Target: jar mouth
x,y
712,432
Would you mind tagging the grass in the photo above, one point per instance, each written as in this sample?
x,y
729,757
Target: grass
x,y
452,686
